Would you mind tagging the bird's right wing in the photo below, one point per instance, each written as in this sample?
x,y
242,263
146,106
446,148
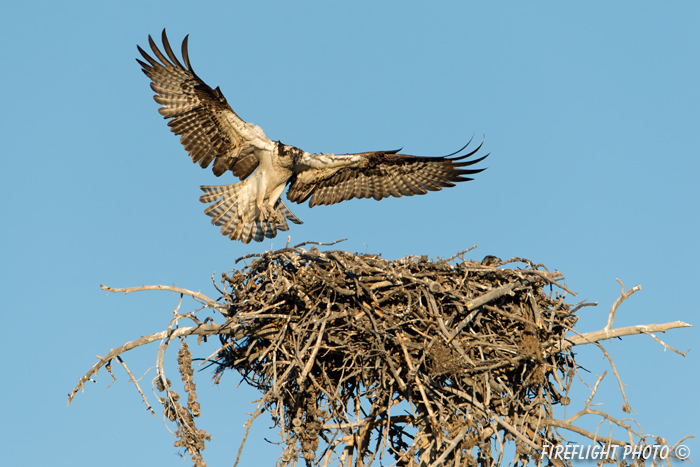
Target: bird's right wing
x,y
330,178
210,130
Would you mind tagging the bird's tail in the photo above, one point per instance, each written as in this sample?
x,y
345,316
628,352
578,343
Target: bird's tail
x,y
235,211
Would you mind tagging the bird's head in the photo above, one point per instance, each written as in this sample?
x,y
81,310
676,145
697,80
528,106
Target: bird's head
x,y
289,156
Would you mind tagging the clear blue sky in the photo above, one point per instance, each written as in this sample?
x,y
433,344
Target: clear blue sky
x,y
591,114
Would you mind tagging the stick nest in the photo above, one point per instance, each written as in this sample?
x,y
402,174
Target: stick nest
x,y
361,357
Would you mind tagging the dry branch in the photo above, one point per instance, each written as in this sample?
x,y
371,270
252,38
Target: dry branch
x,y
604,334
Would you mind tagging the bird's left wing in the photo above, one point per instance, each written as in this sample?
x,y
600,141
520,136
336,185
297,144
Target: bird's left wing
x,y
330,179
210,129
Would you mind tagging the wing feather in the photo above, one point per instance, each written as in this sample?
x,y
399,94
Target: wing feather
x,y
209,129
391,188
332,179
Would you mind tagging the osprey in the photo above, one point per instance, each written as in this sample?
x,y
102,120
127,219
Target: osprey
x,y
252,209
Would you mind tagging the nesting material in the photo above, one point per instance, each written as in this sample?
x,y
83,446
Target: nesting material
x,y
359,357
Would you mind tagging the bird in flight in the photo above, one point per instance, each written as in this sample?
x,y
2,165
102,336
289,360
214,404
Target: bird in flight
x,y
252,209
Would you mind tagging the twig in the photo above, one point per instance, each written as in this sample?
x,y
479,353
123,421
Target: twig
x,y
665,345
575,429
450,447
459,254
623,296
248,424
319,243
312,357
136,383
626,407
197,295
412,370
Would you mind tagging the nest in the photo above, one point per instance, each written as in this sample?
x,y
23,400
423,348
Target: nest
x,y
426,362
412,362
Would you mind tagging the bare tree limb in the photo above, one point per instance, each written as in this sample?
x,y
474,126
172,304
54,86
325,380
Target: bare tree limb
x,y
198,295
596,336
203,330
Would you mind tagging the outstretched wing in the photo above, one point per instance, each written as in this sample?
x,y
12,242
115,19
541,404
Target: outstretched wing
x,y
330,179
210,129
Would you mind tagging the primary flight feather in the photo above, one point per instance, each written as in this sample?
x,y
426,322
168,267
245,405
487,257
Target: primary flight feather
x,y
252,209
